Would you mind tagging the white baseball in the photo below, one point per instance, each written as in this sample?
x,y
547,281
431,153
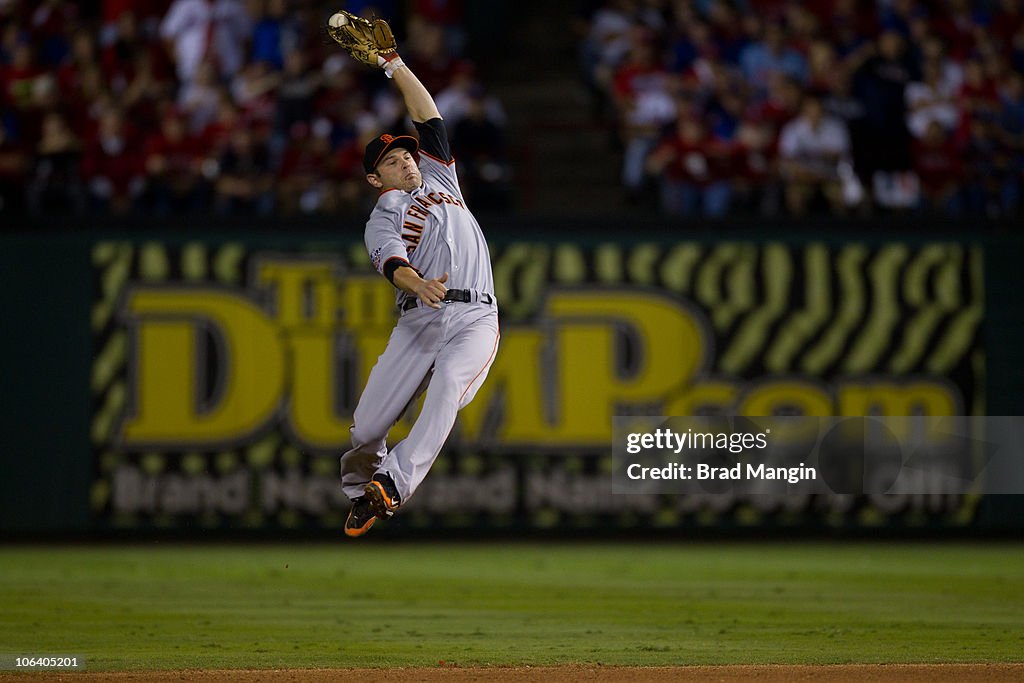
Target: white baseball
x,y
337,20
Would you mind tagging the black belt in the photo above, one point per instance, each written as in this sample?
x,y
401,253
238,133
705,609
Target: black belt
x,y
464,296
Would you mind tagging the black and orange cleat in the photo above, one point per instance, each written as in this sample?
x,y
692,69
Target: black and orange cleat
x,y
360,518
383,495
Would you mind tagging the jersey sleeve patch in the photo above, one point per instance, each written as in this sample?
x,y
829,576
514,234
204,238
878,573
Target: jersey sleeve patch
x,y
375,257
382,237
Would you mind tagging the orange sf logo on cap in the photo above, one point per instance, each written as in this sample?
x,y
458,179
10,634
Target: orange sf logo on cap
x,y
387,138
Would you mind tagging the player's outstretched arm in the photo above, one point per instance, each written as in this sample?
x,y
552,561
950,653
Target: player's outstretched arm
x,y
417,100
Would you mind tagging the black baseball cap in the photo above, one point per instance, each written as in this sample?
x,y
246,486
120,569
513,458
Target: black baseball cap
x,y
380,146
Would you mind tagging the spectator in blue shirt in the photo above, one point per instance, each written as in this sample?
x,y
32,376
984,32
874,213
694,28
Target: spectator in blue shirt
x,y
763,59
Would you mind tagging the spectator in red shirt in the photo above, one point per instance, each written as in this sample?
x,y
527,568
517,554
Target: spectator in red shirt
x,y
443,12
174,159
446,14
958,24
302,184
644,105
940,170
215,137
755,188
692,170
978,94
86,103
782,105
18,79
113,165
428,55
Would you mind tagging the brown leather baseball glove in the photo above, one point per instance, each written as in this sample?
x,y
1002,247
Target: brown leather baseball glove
x,y
370,42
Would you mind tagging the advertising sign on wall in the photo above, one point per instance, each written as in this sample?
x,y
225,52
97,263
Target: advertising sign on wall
x,y
225,375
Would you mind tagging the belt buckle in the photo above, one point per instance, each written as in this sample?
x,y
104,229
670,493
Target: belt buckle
x,y
459,296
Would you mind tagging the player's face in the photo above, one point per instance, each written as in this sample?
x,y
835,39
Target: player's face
x,y
397,169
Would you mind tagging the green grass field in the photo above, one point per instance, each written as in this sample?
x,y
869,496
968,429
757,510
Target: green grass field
x,y
362,603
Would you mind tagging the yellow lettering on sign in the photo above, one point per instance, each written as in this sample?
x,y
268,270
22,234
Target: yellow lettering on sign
x,y
312,415
556,382
367,303
367,311
584,383
889,398
289,281
168,404
590,384
786,397
515,382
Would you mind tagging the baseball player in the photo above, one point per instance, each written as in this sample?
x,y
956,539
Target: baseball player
x,y
424,240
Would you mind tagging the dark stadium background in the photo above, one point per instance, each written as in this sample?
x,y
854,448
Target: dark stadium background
x,y
599,139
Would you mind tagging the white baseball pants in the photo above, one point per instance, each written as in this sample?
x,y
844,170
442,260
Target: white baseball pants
x,y
448,353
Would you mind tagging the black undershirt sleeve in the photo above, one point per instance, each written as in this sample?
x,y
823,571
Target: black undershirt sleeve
x,y
434,139
394,264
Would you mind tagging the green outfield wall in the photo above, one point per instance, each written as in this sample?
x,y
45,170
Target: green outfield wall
x,y
165,382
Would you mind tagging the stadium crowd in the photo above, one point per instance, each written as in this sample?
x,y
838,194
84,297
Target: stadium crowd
x,y
240,107
796,106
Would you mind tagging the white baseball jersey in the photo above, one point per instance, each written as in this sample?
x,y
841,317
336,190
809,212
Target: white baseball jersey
x,y
446,352
430,228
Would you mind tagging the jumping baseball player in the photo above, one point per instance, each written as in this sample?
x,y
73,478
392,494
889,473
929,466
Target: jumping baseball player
x,y
424,240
